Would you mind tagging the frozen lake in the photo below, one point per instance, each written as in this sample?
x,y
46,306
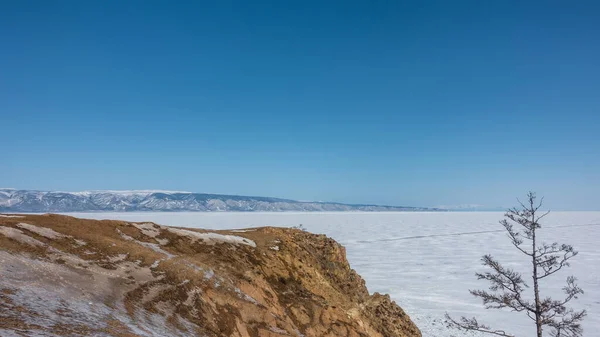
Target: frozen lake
x,y
427,261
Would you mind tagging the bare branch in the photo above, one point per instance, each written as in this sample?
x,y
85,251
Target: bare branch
x,y
521,249
572,290
539,204
523,205
542,216
515,237
551,263
569,325
507,286
471,324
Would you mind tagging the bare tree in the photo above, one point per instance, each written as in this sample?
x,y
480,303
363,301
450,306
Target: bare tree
x,y
508,289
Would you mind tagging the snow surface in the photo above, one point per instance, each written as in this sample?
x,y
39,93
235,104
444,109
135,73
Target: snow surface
x,y
427,261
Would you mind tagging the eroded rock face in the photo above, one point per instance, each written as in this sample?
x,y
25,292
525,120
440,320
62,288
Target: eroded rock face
x,y
63,276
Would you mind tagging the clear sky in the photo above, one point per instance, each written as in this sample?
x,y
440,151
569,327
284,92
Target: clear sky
x,y
417,103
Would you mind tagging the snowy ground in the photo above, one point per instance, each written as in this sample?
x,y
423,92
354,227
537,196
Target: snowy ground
x,y
427,261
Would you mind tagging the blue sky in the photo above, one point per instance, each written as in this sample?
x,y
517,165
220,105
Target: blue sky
x,y
407,103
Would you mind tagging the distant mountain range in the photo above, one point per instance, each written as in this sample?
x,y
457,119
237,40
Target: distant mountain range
x,y
13,200
471,208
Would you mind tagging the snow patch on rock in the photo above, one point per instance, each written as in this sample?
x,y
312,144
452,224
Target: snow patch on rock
x,y
43,231
73,299
10,216
162,242
18,235
154,246
148,229
117,258
212,238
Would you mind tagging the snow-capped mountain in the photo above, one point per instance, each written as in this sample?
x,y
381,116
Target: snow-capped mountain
x,y
471,208
13,200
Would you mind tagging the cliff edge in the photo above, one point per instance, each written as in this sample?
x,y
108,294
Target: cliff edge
x,y
64,276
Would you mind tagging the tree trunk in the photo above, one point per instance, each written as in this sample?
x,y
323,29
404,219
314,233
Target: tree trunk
x,y
538,309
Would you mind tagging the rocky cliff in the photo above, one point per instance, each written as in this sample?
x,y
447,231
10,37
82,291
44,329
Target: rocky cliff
x,y
63,276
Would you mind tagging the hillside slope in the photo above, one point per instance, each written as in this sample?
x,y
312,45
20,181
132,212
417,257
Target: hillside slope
x,y
12,200
63,276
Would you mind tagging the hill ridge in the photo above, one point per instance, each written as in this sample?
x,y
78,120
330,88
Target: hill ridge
x,y
14,200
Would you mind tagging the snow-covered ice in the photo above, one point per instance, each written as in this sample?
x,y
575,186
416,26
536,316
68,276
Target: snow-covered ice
x,y
427,261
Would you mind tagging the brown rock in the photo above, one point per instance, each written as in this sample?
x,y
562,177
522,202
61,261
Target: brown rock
x,y
63,276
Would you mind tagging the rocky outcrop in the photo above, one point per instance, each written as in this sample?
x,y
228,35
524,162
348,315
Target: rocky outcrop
x,y
63,276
